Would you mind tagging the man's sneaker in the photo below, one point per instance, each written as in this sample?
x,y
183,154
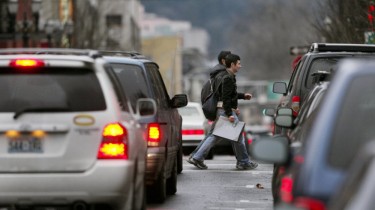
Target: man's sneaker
x,y
189,160
199,164
247,166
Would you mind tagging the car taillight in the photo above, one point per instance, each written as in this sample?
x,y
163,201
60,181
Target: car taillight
x,y
114,142
295,105
286,188
153,134
309,203
193,132
247,138
26,63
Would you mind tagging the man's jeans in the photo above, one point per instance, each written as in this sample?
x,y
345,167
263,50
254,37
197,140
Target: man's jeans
x,y
210,140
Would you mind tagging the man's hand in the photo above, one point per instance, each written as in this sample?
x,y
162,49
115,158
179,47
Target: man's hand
x,y
231,119
237,111
248,96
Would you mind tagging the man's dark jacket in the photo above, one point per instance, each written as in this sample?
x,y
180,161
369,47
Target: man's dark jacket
x,y
227,91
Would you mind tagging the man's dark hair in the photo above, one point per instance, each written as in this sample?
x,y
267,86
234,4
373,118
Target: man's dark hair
x,y
222,55
231,58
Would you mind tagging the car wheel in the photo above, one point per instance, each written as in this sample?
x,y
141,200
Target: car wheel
x,y
157,192
180,159
172,181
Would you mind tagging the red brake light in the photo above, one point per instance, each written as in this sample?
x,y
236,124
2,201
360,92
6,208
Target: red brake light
x,y
193,132
309,203
153,134
26,63
114,142
295,105
286,188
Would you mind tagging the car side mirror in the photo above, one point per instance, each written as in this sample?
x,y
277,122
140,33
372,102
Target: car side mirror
x,y
179,100
279,87
269,112
271,150
284,117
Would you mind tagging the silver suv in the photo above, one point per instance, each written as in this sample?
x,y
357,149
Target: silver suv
x,y
69,135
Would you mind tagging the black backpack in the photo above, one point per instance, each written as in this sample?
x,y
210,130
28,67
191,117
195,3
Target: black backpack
x,y
209,101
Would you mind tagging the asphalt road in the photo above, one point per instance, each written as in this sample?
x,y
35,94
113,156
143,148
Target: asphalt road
x,y
222,187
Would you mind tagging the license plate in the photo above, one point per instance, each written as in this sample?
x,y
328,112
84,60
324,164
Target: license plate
x,y
25,144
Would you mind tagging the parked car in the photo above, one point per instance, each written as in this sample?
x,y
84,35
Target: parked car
x,y
193,125
321,57
69,138
296,139
332,136
358,190
141,79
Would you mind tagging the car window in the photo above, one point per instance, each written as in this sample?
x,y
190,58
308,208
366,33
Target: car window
x,y
189,112
132,80
320,64
296,71
355,122
157,84
72,89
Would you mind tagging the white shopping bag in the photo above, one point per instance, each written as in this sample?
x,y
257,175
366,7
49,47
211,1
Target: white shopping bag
x,y
228,130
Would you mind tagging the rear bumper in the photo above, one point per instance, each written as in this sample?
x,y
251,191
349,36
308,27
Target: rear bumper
x,y
155,162
106,182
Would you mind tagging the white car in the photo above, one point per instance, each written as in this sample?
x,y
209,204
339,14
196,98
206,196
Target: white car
x,y
69,135
193,124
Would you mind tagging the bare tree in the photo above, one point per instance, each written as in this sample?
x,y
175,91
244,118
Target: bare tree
x,y
342,21
264,40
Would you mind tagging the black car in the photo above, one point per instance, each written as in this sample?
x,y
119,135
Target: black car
x,y
332,136
320,57
141,78
295,139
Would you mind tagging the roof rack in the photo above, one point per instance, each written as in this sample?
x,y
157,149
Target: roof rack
x,y
131,54
341,47
50,51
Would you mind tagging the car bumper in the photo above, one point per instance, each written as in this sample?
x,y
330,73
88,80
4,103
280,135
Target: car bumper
x,y
155,162
192,140
106,182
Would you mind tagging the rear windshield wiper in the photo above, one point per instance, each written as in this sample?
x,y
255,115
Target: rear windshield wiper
x,y
40,109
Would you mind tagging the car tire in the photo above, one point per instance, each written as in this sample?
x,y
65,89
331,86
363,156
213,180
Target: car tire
x,y
172,181
157,193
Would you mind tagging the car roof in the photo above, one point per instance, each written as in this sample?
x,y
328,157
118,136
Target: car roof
x,y
54,56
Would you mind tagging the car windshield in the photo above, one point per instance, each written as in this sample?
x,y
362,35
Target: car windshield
x,y
321,64
50,88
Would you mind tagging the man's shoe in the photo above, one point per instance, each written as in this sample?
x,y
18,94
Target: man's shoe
x,y
197,163
189,160
247,166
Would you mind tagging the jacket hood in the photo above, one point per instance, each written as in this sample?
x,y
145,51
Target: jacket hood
x,y
216,70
